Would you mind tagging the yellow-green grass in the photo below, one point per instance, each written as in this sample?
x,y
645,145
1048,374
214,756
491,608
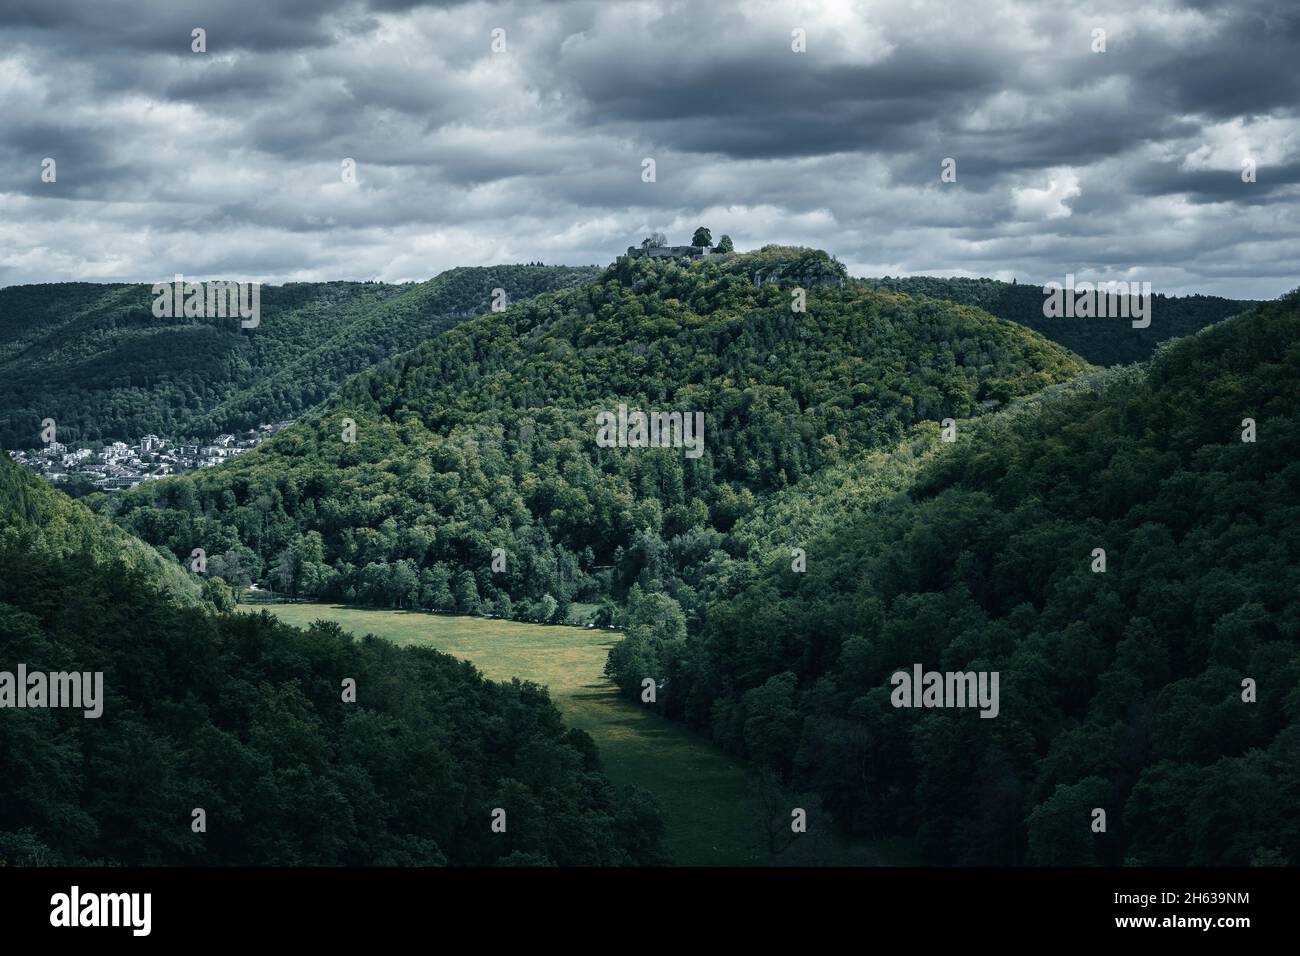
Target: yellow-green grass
x,y
702,790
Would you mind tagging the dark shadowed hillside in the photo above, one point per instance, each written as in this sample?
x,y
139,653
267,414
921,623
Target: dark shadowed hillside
x,y
1102,341
96,360
1123,689
244,719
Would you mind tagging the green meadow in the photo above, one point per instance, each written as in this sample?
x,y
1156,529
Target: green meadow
x,y
702,791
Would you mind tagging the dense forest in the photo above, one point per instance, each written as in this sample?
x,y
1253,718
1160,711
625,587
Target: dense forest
x,y
244,718
483,438
96,360
1102,341
1121,690
828,536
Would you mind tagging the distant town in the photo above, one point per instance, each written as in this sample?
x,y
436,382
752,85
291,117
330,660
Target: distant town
x,y
112,466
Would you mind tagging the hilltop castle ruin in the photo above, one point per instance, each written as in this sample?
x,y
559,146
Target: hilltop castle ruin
x,y
670,252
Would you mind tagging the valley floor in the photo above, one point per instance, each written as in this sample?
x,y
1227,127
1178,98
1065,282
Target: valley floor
x,y
702,790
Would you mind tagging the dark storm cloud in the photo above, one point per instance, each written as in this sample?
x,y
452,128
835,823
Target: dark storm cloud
x,y
165,25
228,163
771,105
85,162
1273,185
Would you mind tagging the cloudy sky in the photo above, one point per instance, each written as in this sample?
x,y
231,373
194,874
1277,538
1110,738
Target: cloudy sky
x,y
1119,164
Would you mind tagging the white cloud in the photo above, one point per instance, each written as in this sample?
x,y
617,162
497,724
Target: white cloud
x,y
1049,202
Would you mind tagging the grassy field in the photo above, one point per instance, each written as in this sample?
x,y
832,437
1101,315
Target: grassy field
x,y
702,790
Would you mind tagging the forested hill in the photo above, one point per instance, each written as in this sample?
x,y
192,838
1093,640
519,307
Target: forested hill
x,y
1121,689
1102,341
485,438
96,360
243,720
37,519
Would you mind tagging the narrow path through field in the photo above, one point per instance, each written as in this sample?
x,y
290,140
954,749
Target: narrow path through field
x,y
702,790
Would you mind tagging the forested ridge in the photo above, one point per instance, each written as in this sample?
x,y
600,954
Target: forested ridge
x,y
243,718
96,360
1102,341
483,437
1120,690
